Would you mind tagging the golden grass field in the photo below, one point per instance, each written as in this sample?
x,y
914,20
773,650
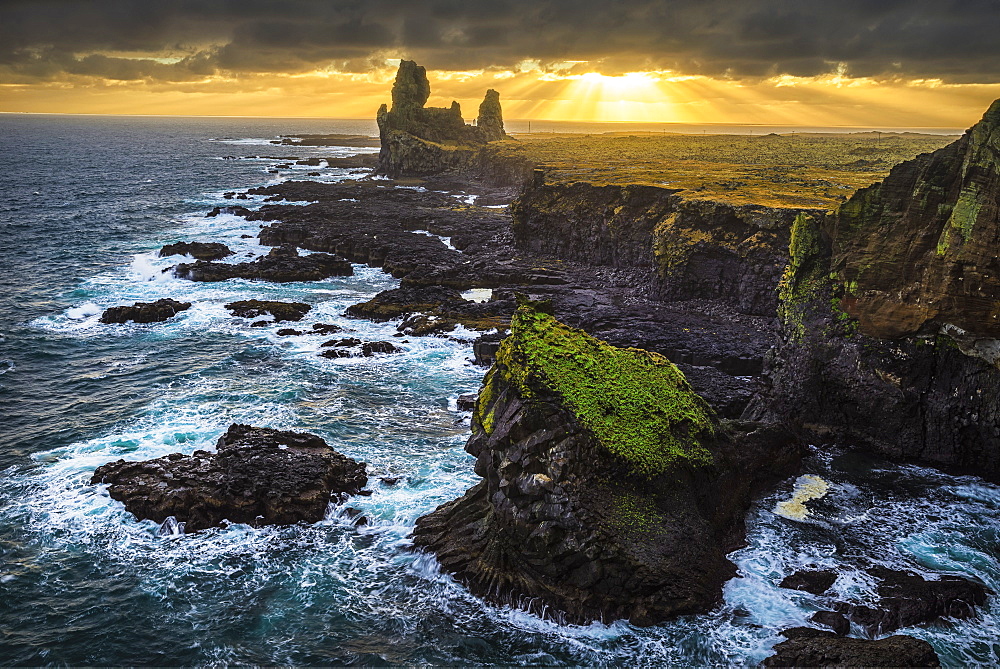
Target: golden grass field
x,y
792,170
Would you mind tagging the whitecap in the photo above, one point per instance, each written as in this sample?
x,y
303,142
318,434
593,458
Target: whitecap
x,y
83,311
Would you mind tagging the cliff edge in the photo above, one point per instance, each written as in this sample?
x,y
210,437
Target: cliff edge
x,y
890,313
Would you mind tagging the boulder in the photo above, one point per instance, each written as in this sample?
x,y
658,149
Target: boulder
x,y
145,312
433,309
282,264
197,250
805,647
610,490
257,476
370,348
235,211
812,581
282,311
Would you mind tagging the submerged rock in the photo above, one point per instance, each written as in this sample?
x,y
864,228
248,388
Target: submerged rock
x,y
197,250
145,312
815,582
257,476
907,599
282,264
609,490
282,311
805,647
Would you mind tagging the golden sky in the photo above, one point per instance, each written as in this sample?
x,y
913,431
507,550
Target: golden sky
x,y
875,63
529,92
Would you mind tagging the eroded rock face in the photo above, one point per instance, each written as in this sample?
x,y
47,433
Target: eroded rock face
x,y
887,339
919,250
145,312
281,264
421,140
609,489
807,647
257,476
197,250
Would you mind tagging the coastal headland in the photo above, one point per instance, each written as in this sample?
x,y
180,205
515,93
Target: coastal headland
x,y
669,321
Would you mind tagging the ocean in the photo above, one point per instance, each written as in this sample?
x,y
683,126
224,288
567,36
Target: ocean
x,y
87,203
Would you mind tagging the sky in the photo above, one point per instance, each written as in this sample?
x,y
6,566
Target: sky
x,y
884,63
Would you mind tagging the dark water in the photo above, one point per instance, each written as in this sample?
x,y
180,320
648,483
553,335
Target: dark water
x,y
87,202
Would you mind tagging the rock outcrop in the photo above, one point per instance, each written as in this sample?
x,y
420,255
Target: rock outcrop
x,y
145,312
686,248
805,647
282,264
197,250
425,140
889,318
433,310
257,476
281,311
609,490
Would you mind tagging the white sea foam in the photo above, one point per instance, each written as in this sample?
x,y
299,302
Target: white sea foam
x,y
83,311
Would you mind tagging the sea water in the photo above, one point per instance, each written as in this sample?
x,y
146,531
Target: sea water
x,y
86,205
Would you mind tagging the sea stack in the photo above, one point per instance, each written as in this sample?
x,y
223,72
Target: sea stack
x,y
426,140
610,489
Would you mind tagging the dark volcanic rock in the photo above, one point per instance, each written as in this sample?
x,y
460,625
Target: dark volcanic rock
x,y
609,490
198,250
433,310
282,264
235,211
370,348
685,248
288,332
835,621
325,328
888,327
336,353
257,476
282,311
807,647
145,312
347,341
466,402
815,582
907,599
484,349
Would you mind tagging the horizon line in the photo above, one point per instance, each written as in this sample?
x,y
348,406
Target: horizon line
x,y
510,120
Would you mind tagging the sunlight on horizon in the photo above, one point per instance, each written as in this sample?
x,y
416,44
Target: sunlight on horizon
x,y
567,94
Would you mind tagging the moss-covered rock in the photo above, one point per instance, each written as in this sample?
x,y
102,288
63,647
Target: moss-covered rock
x,y
637,403
609,489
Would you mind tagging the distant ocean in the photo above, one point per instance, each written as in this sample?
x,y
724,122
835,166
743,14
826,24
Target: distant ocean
x,y
87,202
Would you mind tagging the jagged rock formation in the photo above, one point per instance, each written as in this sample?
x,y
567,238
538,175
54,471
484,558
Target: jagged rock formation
x,y
257,475
423,140
145,312
889,317
281,264
687,248
805,647
609,490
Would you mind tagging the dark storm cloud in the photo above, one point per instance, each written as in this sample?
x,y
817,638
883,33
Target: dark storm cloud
x,y
952,39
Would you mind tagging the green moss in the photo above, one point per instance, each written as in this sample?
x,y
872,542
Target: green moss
x,y
803,277
637,403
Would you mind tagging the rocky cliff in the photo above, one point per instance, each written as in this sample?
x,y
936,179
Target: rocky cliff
x,y
689,248
889,313
610,489
420,140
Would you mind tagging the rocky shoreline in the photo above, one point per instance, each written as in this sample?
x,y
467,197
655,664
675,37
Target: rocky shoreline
x,y
777,327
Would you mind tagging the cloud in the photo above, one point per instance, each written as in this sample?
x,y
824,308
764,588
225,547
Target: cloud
x,y
178,40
